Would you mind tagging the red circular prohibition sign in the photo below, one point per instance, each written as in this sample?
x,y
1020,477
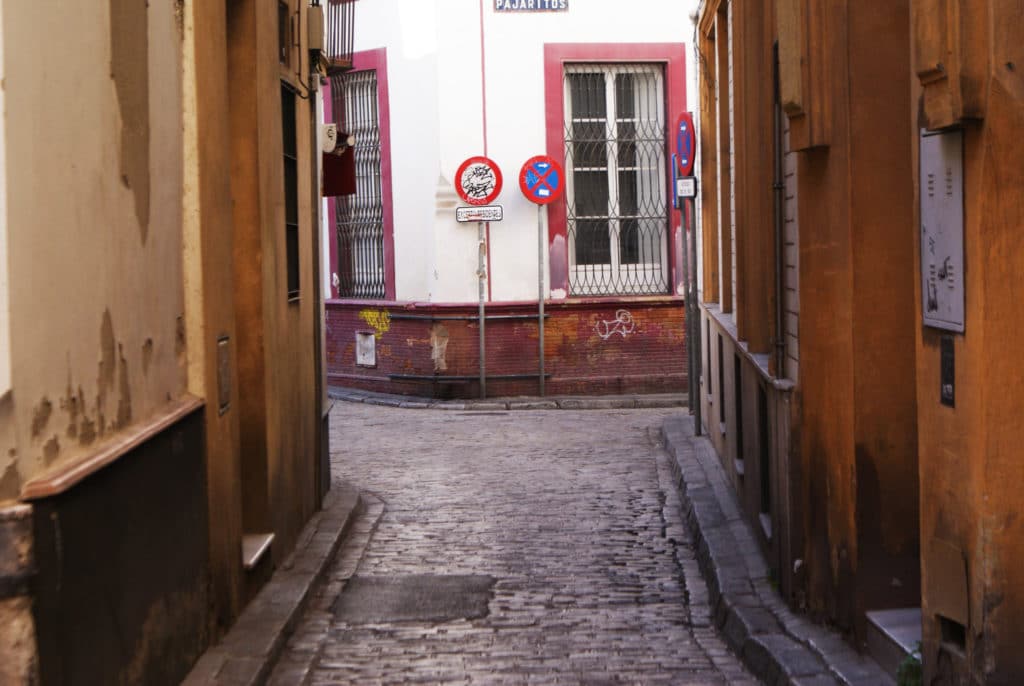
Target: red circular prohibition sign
x,y
478,180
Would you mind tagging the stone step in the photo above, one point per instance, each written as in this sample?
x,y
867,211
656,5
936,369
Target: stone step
x,y
893,635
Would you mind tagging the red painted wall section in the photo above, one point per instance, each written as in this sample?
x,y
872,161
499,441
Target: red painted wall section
x,y
591,347
673,57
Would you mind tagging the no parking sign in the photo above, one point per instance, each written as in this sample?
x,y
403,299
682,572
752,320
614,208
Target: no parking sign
x,y
541,179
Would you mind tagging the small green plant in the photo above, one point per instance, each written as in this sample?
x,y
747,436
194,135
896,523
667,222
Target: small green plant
x,y
909,671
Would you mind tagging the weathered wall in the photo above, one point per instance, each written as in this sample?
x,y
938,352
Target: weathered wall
x,y
757,451
121,608
591,347
209,295
279,411
881,209
859,436
18,659
971,533
94,217
842,475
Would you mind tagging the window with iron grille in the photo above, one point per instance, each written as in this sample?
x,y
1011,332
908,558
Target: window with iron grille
x,y
359,218
291,190
616,204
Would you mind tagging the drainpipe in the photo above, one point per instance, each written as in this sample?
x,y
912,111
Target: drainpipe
x,y
778,186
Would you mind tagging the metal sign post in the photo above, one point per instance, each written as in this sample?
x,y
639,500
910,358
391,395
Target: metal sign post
x,y
540,180
688,324
693,316
478,182
481,271
540,296
685,192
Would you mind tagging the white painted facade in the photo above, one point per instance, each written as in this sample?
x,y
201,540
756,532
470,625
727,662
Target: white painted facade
x,y
443,93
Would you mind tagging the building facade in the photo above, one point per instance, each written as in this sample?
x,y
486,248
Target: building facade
x,y
161,420
968,88
849,369
435,83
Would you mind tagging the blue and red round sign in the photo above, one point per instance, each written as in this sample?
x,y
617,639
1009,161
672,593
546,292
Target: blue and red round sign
x,y
541,179
685,144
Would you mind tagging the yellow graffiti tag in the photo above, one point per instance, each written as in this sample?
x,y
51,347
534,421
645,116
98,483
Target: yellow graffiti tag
x,y
380,320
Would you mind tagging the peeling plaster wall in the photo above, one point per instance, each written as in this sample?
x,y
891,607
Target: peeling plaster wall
x,y
94,226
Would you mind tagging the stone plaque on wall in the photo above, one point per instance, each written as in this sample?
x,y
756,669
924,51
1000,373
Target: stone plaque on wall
x,y
942,230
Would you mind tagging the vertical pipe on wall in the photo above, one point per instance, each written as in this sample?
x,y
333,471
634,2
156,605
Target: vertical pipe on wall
x,y
693,316
778,186
687,328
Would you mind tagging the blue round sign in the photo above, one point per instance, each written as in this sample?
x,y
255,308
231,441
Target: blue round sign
x,y
541,180
685,147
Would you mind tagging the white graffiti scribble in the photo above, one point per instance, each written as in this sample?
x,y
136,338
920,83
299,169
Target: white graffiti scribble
x,y
623,325
478,181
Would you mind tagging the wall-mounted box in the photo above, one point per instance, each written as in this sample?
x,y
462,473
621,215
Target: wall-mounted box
x,y
942,230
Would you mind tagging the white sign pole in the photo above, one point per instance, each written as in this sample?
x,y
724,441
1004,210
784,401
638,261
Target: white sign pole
x,y
482,273
540,292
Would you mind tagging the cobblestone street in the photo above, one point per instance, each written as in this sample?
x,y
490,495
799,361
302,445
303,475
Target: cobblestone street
x,y
568,514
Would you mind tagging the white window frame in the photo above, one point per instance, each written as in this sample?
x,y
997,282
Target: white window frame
x,y
616,277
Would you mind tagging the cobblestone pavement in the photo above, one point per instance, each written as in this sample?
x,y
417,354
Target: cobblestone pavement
x,y
570,512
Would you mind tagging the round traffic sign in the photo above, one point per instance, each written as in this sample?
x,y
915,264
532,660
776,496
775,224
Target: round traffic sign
x,y
478,180
685,147
541,179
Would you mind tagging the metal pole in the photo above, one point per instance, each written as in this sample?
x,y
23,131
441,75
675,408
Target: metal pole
x,y
686,310
482,273
540,295
694,318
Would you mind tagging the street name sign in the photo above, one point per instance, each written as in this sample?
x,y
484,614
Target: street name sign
x,y
531,5
486,213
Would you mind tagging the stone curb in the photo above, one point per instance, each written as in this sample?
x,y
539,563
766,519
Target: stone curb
x,y
778,646
246,655
605,402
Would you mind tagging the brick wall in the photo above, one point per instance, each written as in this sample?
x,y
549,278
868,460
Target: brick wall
x,y
591,347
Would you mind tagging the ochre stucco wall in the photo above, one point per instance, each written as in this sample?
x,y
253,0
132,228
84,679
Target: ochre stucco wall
x,y
94,155
971,531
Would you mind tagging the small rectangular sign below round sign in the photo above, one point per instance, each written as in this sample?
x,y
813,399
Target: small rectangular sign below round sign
x,y
484,213
686,187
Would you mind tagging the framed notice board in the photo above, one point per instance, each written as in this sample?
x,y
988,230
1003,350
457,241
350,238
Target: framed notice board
x,y
942,229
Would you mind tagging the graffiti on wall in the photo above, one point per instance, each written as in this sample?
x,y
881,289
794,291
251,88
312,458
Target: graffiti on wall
x,y
623,325
379,320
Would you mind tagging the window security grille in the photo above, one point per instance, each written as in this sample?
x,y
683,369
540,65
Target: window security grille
x,y
359,218
291,190
617,208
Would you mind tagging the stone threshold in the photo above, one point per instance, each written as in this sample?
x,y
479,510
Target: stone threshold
x,y
246,655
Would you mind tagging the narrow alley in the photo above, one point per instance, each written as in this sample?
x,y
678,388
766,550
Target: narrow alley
x,y
559,523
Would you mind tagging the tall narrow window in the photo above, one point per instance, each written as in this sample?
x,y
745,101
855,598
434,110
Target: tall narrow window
x,y
721,384
765,452
737,399
283,31
707,349
359,218
291,190
617,209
